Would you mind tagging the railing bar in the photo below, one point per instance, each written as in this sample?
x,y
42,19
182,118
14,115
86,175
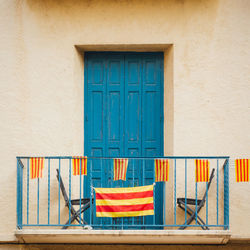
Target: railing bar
x,y
70,191
17,192
196,190
226,194
185,191
91,191
154,188
59,182
80,194
175,191
38,187
101,219
133,220
48,191
164,201
28,176
84,181
21,172
111,182
143,183
122,219
217,191
206,204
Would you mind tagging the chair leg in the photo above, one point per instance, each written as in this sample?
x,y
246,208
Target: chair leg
x,y
72,218
192,217
194,212
199,220
76,215
79,212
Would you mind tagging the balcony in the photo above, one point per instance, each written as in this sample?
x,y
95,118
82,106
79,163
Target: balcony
x,y
61,207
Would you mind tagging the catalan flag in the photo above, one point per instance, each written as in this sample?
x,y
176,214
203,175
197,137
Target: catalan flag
x,y
161,170
242,170
79,163
120,169
36,167
124,202
202,170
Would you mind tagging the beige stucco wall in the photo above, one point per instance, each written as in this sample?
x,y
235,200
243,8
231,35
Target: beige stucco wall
x,y
207,78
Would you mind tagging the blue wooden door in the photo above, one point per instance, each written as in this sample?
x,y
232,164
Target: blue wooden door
x,y
123,105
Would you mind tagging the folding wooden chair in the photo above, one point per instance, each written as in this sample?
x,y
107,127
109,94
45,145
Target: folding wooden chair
x,y
76,214
192,212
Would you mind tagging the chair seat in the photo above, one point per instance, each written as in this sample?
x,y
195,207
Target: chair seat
x,y
189,201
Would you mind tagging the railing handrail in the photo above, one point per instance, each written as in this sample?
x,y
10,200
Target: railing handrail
x,y
129,157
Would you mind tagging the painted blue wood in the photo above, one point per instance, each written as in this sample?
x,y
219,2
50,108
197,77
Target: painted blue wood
x,y
226,194
49,191
133,122
95,114
19,194
28,193
123,117
152,124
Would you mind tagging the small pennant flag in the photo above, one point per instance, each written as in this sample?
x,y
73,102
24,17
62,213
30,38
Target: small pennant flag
x,y
79,165
120,169
124,202
202,170
161,170
242,170
36,167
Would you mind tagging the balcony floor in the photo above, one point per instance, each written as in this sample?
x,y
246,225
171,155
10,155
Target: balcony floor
x,y
123,236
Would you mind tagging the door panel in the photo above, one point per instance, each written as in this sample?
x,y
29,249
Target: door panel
x,y
123,106
152,129
133,89
115,104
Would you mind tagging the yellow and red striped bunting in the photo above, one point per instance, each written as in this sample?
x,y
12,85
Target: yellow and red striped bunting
x,y
36,167
161,170
124,202
120,169
242,170
202,170
79,165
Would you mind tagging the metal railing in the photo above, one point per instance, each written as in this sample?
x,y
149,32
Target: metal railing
x,y
40,202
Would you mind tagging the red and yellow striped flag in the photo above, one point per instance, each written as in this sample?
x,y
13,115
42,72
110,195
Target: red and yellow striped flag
x,y
120,169
36,167
242,170
161,170
202,170
124,202
79,163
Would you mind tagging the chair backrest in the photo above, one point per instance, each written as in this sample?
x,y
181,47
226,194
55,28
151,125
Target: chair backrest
x,y
62,187
208,186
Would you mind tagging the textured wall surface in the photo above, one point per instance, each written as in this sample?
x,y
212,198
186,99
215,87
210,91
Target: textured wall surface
x,y
41,75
